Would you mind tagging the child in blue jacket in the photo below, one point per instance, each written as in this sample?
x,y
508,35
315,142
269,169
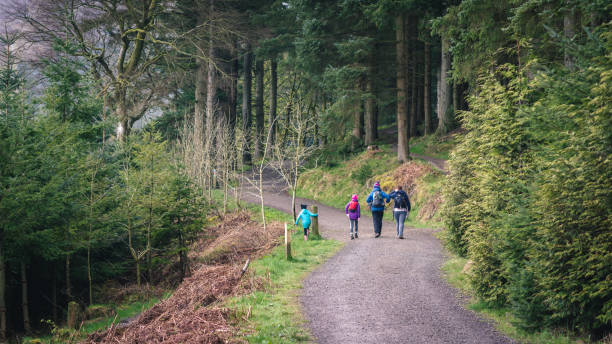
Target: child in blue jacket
x,y
305,217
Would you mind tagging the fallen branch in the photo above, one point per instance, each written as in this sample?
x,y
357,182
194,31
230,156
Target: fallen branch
x,y
245,267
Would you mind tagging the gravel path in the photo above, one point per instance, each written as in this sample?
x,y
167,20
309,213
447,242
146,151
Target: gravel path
x,y
438,164
383,290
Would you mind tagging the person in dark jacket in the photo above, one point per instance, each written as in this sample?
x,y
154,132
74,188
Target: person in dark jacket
x,y
376,200
401,209
353,211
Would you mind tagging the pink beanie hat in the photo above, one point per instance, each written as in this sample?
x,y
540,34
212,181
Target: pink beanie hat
x,y
354,197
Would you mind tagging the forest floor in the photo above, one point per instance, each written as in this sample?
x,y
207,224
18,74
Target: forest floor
x,y
381,290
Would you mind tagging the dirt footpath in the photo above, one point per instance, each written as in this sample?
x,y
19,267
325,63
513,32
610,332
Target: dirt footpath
x,y
383,290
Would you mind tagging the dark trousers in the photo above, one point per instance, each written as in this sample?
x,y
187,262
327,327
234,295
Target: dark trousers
x,y
377,216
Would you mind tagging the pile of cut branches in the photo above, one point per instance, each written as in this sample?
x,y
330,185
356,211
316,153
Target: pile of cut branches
x,y
192,314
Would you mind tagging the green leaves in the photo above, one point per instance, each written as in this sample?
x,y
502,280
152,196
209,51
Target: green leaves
x,y
529,195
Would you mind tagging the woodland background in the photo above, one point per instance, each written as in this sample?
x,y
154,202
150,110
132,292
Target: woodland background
x,y
119,118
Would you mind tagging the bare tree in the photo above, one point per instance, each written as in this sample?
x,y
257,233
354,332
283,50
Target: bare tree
x,y
289,157
120,40
255,180
227,154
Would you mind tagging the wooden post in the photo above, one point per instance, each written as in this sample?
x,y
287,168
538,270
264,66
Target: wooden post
x,y
287,243
73,314
315,221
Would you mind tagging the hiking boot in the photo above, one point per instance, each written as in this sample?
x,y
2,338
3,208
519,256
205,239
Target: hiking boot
x,y
352,237
400,237
356,236
377,235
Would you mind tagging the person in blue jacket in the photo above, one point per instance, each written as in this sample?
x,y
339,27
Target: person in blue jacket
x,y
376,200
305,217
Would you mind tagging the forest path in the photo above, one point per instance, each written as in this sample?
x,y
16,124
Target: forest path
x,y
390,137
382,290
438,164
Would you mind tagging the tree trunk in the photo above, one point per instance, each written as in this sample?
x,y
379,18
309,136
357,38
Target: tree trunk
x,y
569,31
246,106
2,293
233,98
211,91
419,104
138,273
54,296
68,292
357,114
289,110
124,121
375,120
183,261
426,90
370,105
413,78
273,100
89,277
200,104
24,299
259,107
444,91
455,97
293,204
211,84
149,256
403,138
357,120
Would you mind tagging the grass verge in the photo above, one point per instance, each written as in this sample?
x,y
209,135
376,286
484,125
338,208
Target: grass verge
x,y
273,315
123,312
500,316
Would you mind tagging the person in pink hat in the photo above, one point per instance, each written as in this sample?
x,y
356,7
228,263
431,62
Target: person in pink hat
x,y
353,211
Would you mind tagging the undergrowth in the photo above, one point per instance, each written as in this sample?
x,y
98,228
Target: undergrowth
x,y
271,315
433,145
121,312
502,318
334,185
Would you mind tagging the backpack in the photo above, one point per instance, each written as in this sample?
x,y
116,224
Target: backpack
x,y
377,200
399,200
352,207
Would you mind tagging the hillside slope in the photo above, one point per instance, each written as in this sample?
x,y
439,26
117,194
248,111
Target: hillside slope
x,y
335,185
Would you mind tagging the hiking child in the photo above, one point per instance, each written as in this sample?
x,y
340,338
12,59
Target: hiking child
x,y
305,217
353,211
376,200
401,209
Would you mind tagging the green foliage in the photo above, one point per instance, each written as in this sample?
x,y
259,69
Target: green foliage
x,y
362,174
529,196
66,195
67,93
457,273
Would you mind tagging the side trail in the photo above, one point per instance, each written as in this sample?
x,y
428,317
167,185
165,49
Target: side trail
x,y
381,290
